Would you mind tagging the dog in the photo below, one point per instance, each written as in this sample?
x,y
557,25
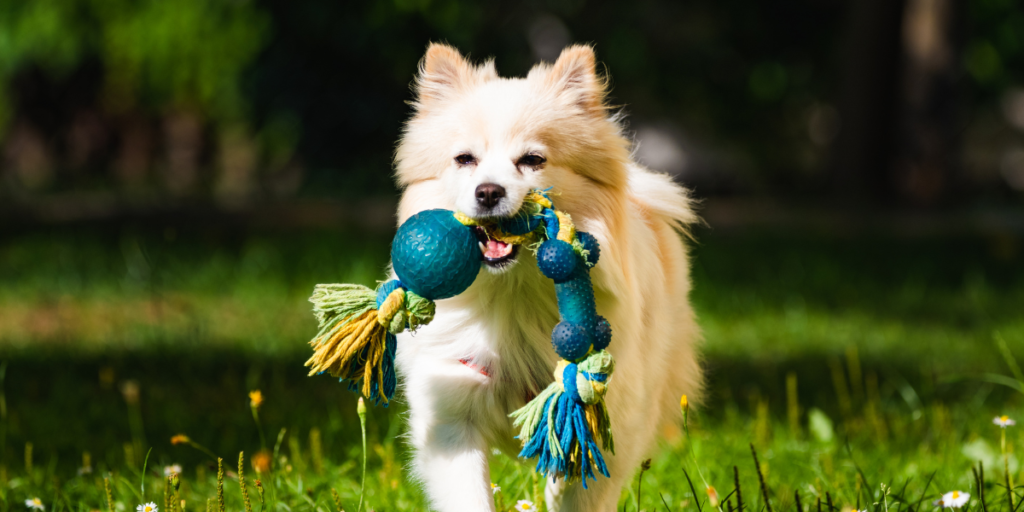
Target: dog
x,y
478,143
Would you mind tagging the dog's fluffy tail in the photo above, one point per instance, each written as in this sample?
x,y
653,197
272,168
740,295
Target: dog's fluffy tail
x,y
663,197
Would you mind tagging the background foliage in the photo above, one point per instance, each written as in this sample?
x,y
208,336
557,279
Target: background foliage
x,y
735,97
176,176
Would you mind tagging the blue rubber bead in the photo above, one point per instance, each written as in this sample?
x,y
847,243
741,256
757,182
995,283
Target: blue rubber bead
x,y
571,341
590,244
602,333
435,255
556,260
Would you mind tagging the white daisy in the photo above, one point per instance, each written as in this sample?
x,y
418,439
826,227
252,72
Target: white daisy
x,y
148,507
1003,421
172,469
35,504
954,499
495,489
525,506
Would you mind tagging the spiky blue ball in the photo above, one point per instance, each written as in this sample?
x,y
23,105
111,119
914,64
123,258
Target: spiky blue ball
x,y
435,255
556,260
571,340
602,333
590,245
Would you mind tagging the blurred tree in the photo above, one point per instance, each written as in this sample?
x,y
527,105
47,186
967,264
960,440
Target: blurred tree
x,y
925,168
181,61
862,160
230,100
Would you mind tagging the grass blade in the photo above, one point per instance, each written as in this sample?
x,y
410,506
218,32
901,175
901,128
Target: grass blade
x,y
142,485
361,410
663,502
978,484
739,494
644,466
760,477
924,493
696,499
1010,360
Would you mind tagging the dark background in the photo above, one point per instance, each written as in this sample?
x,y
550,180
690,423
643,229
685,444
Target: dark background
x,y
176,176
128,108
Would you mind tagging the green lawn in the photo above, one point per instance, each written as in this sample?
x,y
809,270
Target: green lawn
x,y
889,343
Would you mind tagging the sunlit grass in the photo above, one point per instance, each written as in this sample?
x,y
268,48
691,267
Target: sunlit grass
x,y
842,461
846,365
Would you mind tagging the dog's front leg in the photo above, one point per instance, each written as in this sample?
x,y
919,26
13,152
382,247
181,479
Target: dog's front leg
x,y
452,463
450,451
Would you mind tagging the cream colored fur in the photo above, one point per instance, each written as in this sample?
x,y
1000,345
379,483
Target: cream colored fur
x,y
504,320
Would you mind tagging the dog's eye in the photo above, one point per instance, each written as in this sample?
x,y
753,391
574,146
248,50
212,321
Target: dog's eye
x,y
465,159
531,160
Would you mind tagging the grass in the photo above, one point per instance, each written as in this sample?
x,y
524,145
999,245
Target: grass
x,y
848,364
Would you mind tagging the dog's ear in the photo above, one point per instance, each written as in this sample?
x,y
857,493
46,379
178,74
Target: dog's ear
x,y
574,74
443,71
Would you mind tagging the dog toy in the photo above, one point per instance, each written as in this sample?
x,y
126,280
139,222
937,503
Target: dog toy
x,y
436,255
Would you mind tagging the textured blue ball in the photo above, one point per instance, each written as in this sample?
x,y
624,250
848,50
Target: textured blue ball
x,y
435,255
556,260
602,333
571,341
590,244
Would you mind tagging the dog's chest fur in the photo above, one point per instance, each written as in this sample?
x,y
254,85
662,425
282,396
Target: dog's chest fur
x,y
501,327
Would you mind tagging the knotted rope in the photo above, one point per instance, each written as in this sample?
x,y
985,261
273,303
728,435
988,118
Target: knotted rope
x,y
564,423
356,341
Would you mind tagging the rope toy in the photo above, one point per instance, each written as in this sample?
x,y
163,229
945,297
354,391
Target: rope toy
x,y
435,255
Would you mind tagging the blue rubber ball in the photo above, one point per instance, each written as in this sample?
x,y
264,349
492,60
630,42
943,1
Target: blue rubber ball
x,y
556,260
590,244
602,333
434,255
571,341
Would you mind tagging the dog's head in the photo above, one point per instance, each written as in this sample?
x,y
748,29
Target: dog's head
x,y
478,143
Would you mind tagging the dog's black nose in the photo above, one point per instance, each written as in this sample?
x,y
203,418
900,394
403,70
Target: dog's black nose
x,y
488,194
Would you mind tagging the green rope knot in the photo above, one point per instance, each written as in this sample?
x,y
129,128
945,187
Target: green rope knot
x,y
345,301
592,376
420,311
403,309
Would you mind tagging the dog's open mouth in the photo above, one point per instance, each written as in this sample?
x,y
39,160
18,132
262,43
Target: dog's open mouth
x,y
497,254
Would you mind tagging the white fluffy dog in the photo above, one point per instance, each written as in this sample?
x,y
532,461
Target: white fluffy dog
x,y
478,143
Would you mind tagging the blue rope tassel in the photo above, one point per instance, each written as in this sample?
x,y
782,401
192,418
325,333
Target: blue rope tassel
x,y
562,427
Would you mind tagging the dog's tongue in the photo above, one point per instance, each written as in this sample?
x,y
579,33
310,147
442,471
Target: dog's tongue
x,y
496,249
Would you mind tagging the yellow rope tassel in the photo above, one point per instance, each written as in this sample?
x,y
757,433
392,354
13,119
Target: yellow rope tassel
x,y
356,342
339,352
566,229
538,198
466,220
